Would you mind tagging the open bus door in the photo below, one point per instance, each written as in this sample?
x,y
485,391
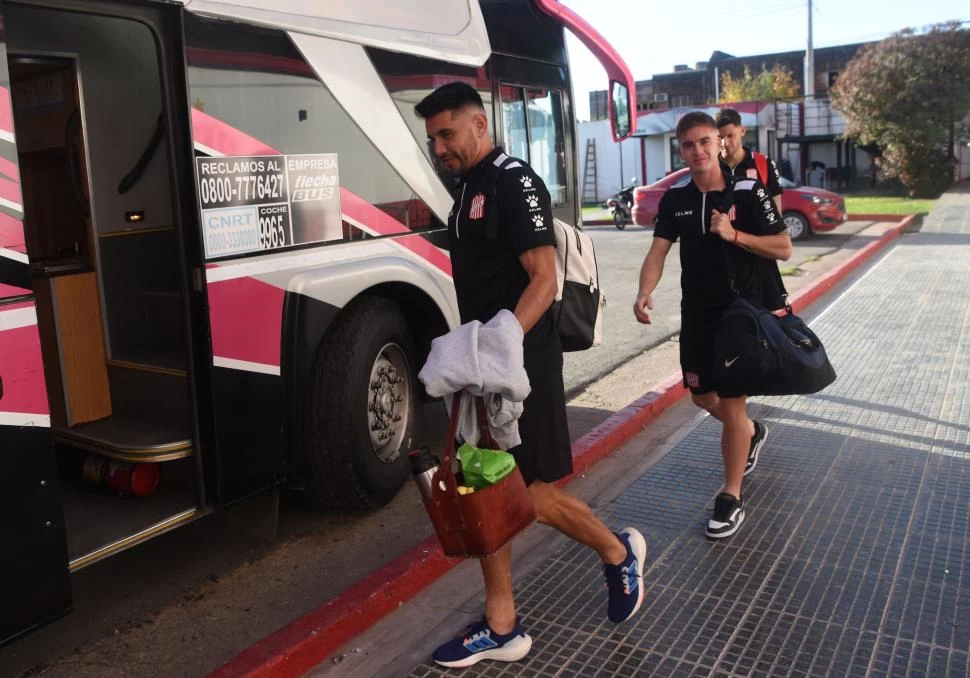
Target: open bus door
x,y
34,579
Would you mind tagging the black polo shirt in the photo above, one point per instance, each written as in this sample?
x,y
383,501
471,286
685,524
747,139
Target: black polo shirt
x,y
747,169
685,215
485,266
773,293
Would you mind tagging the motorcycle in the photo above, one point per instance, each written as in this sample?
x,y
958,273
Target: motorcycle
x,y
620,205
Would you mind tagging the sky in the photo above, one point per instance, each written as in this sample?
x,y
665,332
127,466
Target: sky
x,y
653,36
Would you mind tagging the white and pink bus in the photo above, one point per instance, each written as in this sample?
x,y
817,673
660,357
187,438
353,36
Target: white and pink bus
x,y
216,273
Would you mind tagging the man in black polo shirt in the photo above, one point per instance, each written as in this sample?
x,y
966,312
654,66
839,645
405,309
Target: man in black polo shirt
x,y
503,255
724,227
745,163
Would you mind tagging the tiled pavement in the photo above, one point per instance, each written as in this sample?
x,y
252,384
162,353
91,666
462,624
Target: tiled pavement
x,y
854,558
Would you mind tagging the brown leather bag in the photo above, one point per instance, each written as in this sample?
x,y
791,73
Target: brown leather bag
x,y
480,523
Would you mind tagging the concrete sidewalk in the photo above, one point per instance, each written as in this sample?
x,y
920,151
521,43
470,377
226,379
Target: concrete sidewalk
x,y
854,558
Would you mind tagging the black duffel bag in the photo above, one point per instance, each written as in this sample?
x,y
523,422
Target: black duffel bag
x,y
759,353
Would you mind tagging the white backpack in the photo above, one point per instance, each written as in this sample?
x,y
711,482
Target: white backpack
x,y
578,309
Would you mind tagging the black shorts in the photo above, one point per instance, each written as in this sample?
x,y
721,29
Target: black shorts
x,y
697,357
546,452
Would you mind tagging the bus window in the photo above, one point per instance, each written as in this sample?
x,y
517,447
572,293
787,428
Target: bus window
x,y
231,70
410,78
513,117
547,153
533,124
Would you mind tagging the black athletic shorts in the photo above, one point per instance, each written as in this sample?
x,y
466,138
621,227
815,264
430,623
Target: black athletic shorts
x,y
697,357
546,453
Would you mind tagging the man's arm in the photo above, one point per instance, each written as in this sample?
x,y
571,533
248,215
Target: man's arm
x,y
650,274
775,246
540,264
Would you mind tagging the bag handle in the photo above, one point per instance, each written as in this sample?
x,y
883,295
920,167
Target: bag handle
x,y
445,473
444,485
727,200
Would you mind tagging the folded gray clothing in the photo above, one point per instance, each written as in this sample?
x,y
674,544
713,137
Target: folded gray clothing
x,y
485,360
480,359
502,416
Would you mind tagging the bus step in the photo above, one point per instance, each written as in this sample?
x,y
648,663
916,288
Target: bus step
x,y
127,439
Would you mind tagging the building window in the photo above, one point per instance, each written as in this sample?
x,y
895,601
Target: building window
x,y
676,162
681,100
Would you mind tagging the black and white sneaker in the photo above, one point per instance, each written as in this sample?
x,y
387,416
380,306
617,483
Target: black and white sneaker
x,y
727,518
757,442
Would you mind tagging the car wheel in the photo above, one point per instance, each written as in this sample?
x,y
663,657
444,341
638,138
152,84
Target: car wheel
x,y
360,415
618,220
798,227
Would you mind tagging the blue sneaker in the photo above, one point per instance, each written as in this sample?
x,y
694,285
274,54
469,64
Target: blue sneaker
x,y
625,581
481,642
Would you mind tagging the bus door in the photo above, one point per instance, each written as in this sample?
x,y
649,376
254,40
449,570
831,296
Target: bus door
x,y
533,100
34,579
100,381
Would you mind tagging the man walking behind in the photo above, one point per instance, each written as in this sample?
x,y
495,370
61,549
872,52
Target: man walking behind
x,y
514,268
745,163
724,227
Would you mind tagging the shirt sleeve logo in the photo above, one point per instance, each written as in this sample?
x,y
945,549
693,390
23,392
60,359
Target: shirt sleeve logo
x,y
477,209
538,221
526,182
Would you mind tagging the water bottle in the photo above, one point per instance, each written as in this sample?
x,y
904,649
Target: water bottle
x,y
423,467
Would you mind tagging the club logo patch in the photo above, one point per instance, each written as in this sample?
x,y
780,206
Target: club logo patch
x,y
477,210
692,379
752,173
733,214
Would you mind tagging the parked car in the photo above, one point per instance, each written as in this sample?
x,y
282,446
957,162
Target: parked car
x,y
805,209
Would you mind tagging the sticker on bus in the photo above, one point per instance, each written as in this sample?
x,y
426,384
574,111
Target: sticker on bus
x,y
258,203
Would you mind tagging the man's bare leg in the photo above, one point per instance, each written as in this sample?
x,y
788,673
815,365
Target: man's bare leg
x,y
736,435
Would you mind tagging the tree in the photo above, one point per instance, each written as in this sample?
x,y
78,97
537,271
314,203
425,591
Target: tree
x,y
777,83
906,95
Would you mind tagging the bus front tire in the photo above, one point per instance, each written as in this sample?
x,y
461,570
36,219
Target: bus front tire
x,y
361,409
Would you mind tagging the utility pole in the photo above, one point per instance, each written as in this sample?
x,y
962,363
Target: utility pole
x,y
809,59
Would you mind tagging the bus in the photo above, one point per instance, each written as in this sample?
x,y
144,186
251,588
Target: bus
x,y
216,274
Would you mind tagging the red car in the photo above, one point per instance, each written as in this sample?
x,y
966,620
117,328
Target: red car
x,y
805,209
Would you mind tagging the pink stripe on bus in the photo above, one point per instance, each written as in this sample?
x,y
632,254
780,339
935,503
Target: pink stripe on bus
x,y
22,370
246,315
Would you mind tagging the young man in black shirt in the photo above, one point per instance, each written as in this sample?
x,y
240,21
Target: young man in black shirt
x,y
503,247
724,227
744,163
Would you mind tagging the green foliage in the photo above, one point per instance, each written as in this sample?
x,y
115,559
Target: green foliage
x,y
768,85
907,96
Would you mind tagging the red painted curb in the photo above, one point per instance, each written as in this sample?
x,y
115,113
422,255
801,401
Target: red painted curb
x,y
304,643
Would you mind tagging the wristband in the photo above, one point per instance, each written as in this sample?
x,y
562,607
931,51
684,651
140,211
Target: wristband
x,y
735,236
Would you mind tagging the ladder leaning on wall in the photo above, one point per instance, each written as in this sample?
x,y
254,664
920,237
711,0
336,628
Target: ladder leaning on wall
x,y
590,191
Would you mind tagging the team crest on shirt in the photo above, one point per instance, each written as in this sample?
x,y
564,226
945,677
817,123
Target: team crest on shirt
x,y
752,173
692,379
477,209
732,214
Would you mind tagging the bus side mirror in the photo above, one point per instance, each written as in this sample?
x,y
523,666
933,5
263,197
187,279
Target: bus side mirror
x,y
620,110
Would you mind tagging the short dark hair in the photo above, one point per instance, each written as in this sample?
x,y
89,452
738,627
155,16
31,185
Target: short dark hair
x,y
451,97
692,120
728,116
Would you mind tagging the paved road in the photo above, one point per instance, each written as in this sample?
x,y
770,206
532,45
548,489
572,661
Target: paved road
x,y
191,599
619,255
